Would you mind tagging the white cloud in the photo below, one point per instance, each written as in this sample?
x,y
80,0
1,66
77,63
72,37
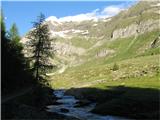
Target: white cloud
x,y
80,17
54,18
111,10
94,15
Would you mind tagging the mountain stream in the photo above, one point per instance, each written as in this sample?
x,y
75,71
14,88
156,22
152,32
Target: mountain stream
x,y
67,107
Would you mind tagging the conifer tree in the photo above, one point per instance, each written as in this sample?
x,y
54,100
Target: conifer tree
x,y
41,48
13,33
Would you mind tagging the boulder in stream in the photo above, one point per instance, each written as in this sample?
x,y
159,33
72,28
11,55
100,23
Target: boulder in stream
x,y
82,103
64,110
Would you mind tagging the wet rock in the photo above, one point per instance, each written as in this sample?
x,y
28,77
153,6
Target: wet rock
x,y
16,111
57,98
64,110
82,103
56,103
76,93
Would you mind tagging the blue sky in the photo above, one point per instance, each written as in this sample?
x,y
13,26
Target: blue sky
x,y
23,13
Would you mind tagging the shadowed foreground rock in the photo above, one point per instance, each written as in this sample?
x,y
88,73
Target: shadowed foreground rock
x,y
129,102
21,111
82,103
64,110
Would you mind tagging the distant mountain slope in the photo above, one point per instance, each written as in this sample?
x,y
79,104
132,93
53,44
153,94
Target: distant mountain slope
x,y
130,33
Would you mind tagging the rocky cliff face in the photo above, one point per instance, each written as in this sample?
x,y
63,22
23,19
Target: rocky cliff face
x,y
68,49
135,29
104,53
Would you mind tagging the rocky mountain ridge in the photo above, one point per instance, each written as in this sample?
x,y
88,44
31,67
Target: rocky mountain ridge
x,y
75,40
135,29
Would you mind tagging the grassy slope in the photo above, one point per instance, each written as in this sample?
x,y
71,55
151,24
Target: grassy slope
x,y
82,42
78,42
131,58
136,68
128,47
138,73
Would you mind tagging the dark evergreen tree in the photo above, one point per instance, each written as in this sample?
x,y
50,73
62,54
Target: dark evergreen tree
x,y
42,50
3,50
13,33
3,28
15,74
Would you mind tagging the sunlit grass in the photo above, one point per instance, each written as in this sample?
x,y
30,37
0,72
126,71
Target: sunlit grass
x,y
132,71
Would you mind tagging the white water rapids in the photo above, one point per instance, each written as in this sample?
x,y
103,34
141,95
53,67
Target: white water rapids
x,y
82,113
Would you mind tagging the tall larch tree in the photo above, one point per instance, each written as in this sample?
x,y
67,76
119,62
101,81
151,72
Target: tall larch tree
x,y
41,48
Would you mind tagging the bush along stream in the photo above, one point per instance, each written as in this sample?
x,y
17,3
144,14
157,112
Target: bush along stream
x,y
70,106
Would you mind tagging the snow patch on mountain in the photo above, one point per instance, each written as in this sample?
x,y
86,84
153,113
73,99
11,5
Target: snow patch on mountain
x,y
68,33
60,34
94,24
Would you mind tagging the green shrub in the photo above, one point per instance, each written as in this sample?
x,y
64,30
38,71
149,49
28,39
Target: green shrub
x,y
115,67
